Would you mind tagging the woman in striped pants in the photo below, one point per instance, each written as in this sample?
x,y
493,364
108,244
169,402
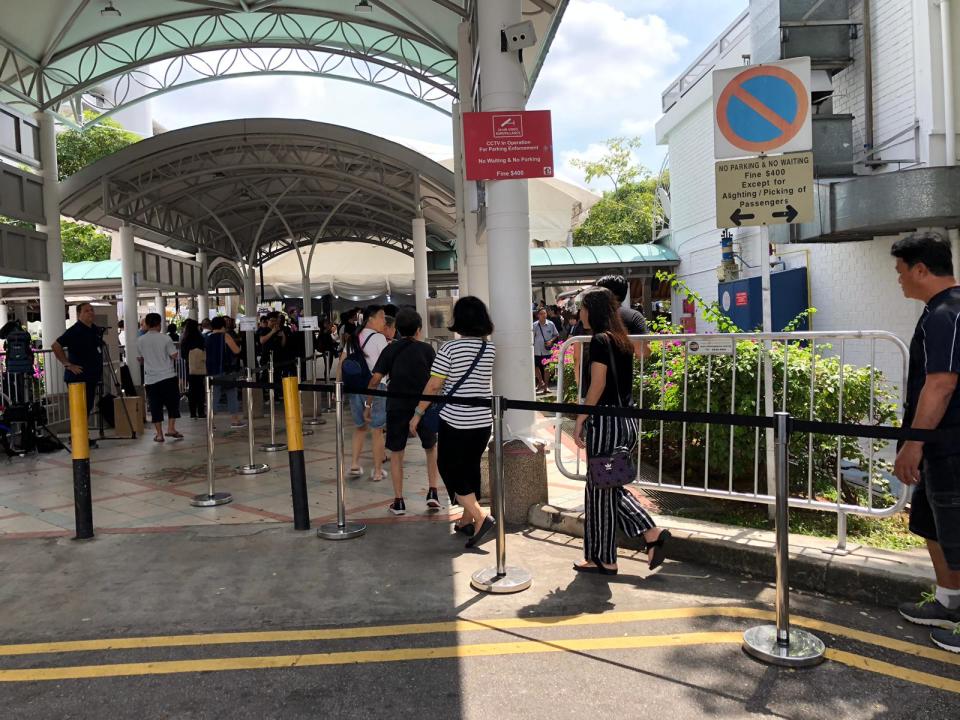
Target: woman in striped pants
x,y
610,358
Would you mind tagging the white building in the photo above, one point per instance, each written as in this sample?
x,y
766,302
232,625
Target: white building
x,y
880,149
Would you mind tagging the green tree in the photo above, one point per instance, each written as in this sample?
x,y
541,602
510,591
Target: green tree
x,y
76,149
83,242
620,217
617,164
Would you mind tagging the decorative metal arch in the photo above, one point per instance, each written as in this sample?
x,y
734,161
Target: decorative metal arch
x,y
224,272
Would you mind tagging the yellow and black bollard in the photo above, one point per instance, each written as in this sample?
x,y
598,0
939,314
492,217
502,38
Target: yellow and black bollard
x,y
298,472
80,442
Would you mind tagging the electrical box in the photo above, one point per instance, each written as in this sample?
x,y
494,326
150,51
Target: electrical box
x,y
741,301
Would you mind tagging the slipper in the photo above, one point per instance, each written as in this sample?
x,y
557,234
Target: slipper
x,y
378,477
355,472
465,529
157,438
596,569
488,524
177,435
657,558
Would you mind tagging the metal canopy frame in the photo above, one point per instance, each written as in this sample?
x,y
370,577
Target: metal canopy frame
x,y
249,190
102,64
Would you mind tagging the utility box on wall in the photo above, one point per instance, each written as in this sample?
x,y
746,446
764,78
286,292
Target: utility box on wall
x,y
741,301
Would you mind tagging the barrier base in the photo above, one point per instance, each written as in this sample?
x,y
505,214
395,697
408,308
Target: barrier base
x,y
315,421
306,432
220,498
804,650
333,531
274,447
841,551
514,580
254,469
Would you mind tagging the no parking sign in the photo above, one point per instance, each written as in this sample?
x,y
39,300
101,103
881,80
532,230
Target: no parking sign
x,y
762,109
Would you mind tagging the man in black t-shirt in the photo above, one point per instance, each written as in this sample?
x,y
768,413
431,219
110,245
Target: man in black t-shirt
x,y
82,361
407,362
925,269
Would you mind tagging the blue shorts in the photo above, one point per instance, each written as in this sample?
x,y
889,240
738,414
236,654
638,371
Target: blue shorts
x,y
378,417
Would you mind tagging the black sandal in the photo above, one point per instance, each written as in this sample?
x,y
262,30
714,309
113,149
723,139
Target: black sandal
x,y
485,527
656,559
596,568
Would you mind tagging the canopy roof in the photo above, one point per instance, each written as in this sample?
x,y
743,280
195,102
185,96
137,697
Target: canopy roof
x,y
67,55
252,189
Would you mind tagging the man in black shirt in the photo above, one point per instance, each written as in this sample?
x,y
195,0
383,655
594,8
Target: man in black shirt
x,y
82,361
925,269
407,362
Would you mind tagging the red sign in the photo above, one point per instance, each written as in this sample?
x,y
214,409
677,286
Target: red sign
x,y
508,145
741,299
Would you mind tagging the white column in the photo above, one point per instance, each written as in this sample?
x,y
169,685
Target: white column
x,y
128,288
4,314
463,277
475,253
421,288
160,305
508,222
51,291
250,301
203,301
308,310
949,93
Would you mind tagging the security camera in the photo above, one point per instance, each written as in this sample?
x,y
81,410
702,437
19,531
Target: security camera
x,y
519,36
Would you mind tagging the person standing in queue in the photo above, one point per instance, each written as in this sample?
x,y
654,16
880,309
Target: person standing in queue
x,y
158,355
407,363
544,337
609,381
223,357
83,359
925,271
193,349
464,367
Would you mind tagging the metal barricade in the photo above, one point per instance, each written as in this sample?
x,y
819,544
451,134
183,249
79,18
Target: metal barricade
x,y
703,373
211,498
273,445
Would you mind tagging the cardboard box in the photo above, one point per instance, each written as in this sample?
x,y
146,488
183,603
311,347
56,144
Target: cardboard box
x,y
134,410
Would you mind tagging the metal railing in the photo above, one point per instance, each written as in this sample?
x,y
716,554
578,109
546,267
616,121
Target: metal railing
x,y
674,373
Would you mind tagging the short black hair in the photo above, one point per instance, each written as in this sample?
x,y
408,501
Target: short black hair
x,y
390,310
218,323
616,284
408,322
470,318
369,311
929,248
152,320
81,306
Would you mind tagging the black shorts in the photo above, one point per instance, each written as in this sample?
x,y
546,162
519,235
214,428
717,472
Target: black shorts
x,y
398,431
538,360
935,506
164,394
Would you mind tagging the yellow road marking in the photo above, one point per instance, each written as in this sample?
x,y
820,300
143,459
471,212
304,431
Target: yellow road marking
x,y
466,625
894,671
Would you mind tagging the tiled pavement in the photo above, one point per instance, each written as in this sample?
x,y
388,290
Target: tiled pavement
x,y
142,486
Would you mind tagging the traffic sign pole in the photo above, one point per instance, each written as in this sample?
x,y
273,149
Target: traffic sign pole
x,y
767,305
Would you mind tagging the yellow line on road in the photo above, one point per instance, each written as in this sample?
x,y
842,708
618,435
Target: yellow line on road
x,y
894,671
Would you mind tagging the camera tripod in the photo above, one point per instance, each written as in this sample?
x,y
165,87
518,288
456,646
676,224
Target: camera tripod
x,y
118,385
30,412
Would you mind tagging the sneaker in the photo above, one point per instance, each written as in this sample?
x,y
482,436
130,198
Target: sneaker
x,y
397,507
433,502
237,425
928,611
947,639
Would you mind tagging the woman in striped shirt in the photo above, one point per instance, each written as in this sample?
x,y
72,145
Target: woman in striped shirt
x,y
609,381
464,367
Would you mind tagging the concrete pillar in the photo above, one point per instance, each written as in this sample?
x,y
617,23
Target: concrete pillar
x,y
51,291
203,300
463,277
474,258
250,301
4,314
128,288
160,306
308,310
508,222
421,288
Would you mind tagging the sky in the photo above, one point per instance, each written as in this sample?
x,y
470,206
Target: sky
x,y
608,65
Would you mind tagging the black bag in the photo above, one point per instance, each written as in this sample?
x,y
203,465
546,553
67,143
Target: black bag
x,y
616,469
355,371
431,418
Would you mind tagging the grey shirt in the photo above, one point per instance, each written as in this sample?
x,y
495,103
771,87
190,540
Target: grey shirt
x,y
157,351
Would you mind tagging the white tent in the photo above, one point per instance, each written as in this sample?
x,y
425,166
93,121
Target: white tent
x,y
353,270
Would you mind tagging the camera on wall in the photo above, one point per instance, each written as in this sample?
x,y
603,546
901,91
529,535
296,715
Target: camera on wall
x,y
517,37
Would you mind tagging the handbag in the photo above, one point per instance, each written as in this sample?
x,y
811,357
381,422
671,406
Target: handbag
x,y
197,362
431,418
617,468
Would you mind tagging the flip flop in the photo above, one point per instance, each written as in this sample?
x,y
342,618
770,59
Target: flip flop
x,y
158,439
595,569
355,472
177,435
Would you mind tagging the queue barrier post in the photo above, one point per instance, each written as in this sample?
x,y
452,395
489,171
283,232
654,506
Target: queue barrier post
x,y
502,578
779,644
273,445
316,419
211,498
80,448
252,467
341,529
298,472
303,431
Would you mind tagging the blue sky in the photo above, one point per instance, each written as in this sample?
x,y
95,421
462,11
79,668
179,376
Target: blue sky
x,y
610,62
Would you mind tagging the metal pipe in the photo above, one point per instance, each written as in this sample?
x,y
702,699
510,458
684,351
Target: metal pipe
x,y
782,443
212,497
497,478
303,431
868,130
341,530
252,467
273,445
949,95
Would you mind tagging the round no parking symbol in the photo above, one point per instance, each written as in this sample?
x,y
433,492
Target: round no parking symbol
x,y
762,109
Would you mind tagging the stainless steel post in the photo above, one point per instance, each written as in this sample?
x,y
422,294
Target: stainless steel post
x,y
502,578
303,431
273,445
252,467
778,644
316,419
341,529
212,497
